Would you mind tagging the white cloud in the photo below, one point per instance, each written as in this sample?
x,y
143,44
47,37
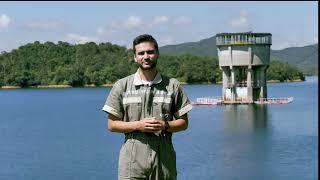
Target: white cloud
x,y
77,39
103,30
108,30
49,25
182,20
315,39
160,19
4,21
166,41
132,22
100,30
241,21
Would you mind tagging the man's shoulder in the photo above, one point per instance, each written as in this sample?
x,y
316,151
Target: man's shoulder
x,y
175,81
124,81
170,80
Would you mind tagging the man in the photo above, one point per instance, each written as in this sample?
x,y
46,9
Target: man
x,y
147,107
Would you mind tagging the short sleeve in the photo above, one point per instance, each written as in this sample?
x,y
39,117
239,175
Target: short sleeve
x,y
182,104
113,104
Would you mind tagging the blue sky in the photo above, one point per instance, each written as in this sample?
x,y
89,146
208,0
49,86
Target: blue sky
x,y
292,23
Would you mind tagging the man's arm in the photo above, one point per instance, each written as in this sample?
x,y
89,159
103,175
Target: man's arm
x,y
179,124
151,125
115,124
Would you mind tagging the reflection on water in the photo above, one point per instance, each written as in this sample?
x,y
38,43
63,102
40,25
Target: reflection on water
x,y
245,116
246,142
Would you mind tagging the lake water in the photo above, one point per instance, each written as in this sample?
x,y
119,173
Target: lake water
x,y
60,134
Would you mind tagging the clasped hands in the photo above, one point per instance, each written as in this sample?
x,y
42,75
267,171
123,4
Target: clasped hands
x,y
151,125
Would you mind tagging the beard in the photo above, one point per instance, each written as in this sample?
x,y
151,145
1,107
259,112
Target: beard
x,y
153,65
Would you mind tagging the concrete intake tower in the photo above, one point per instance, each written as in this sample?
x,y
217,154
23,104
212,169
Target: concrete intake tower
x,y
244,59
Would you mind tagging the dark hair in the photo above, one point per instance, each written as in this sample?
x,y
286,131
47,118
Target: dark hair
x,y
144,38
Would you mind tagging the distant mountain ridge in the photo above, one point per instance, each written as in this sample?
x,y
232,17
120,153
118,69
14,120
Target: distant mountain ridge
x,y
305,58
205,47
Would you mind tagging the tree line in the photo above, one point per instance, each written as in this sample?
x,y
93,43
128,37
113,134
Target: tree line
x,y
90,63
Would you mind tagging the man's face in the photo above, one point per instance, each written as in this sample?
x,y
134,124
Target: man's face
x,y
146,55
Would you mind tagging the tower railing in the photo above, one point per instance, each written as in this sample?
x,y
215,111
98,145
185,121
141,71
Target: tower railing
x,y
243,39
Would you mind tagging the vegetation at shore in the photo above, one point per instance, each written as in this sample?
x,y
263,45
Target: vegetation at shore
x,y
47,64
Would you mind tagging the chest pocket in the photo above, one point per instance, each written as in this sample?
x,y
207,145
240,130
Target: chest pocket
x,y
162,107
132,108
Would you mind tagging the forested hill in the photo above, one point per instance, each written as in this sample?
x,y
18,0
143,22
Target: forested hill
x,y
205,47
305,58
62,63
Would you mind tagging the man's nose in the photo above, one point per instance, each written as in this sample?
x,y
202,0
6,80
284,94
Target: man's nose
x,y
146,55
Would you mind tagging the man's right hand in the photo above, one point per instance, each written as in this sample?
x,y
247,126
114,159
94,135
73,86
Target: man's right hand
x,y
150,125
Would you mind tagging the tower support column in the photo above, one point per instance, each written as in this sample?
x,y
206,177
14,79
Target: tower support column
x,y
249,85
263,83
233,85
225,81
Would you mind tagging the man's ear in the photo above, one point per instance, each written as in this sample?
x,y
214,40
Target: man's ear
x,y
135,59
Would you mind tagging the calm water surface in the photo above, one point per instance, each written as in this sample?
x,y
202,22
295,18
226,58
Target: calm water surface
x,y
60,134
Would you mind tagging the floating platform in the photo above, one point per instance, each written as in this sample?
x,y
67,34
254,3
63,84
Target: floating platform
x,y
208,101
282,100
218,101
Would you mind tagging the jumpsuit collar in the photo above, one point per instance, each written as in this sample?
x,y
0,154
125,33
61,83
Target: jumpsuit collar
x,y
137,81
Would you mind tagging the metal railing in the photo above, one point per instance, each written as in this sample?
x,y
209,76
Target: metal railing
x,y
274,100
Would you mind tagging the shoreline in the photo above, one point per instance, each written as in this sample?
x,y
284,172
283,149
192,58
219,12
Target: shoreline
x,y
110,85
53,86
